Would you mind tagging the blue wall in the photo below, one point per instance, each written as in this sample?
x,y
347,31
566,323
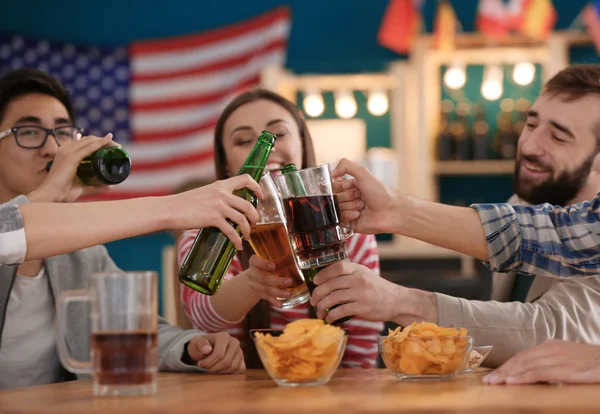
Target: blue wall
x,y
327,35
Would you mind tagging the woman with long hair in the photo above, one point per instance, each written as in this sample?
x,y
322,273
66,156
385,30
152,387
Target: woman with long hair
x,y
248,296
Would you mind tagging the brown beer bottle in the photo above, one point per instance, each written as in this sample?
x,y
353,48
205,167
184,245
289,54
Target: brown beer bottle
x,y
506,142
446,144
460,131
480,133
211,254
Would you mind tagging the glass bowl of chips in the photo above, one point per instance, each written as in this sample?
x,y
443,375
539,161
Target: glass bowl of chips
x,y
425,351
307,352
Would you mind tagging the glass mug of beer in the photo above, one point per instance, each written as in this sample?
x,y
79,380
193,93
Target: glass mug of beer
x,y
317,234
270,241
124,340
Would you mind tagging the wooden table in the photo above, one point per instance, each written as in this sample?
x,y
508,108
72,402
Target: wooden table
x,y
350,391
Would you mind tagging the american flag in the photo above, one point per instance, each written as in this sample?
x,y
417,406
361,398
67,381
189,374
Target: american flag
x,y
160,98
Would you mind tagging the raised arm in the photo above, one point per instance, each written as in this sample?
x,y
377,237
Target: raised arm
x,y
56,228
555,241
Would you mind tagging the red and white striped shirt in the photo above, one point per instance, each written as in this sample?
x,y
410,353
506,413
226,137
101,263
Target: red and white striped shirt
x,y
361,351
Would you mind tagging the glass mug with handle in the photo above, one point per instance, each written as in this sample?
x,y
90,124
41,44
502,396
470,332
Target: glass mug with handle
x,y
318,237
124,334
317,234
270,241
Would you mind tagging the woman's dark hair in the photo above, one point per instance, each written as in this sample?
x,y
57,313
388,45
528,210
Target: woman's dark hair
x,y
260,315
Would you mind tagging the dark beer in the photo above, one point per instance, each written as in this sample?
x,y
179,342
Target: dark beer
x,y
313,222
125,358
315,228
270,242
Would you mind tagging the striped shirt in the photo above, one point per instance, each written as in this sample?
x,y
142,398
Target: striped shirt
x,y
361,351
13,246
545,239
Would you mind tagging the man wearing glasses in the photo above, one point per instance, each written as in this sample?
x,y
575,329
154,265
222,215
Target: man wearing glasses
x,y
36,118
35,136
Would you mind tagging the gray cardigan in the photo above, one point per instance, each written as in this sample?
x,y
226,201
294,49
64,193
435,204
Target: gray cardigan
x,y
72,271
12,234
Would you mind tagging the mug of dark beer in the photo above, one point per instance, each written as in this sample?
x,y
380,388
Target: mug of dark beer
x,y
123,319
318,237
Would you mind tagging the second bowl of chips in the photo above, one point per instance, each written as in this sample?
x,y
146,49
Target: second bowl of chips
x,y
425,351
307,352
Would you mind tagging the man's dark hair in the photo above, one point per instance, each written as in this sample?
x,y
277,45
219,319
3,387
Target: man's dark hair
x,y
20,82
575,82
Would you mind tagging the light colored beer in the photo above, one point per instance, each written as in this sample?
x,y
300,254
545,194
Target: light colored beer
x,y
270,242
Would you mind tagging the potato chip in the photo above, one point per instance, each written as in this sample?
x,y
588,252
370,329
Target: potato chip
x,y
307,350
425,349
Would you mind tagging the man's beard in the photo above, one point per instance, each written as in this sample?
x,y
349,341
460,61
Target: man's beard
x,y
556,191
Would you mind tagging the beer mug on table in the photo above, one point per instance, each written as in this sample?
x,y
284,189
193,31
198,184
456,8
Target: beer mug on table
x,y
124,335
269,240
317,234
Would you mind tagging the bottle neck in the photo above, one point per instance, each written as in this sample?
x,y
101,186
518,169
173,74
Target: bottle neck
x,y
294,184
256,161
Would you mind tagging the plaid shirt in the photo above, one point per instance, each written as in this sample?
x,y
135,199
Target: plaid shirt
x,y
554,241
13,246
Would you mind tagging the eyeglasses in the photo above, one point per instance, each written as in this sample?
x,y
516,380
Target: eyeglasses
x,y
33,136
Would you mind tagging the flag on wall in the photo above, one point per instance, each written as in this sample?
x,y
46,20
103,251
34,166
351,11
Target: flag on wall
x,y
533,18
539,18
491,19
400,25
515,14
445,26
160,98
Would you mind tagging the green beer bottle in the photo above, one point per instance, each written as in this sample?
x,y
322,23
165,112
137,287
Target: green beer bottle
x,y
108,166
211,254
296,186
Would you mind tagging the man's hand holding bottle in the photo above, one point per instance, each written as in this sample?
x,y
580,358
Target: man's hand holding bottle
x,y
61,184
